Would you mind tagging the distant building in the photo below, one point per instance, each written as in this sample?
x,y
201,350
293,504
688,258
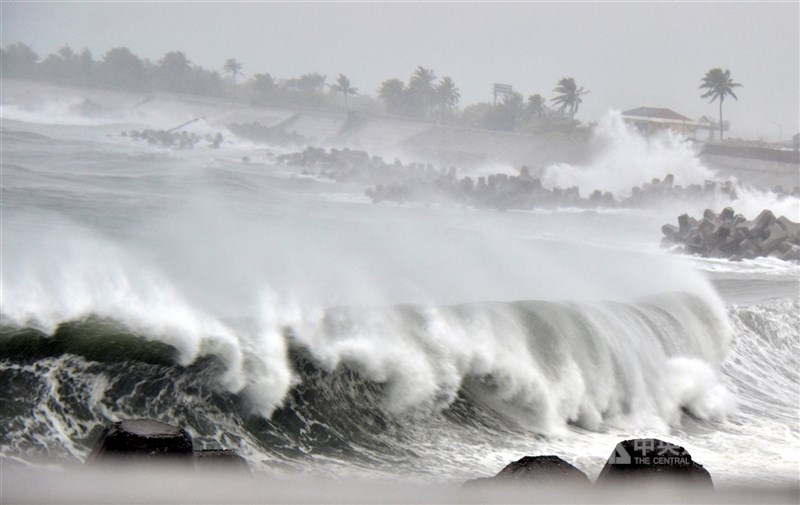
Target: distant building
x,y
649,120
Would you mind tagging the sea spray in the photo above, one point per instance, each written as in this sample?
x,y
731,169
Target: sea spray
x,y
190,280
330,337
623,159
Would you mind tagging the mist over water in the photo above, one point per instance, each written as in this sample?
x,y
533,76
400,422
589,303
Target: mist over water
x,y
181,278
623,159
467,337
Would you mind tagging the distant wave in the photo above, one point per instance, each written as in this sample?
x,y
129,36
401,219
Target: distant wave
x,y
625,159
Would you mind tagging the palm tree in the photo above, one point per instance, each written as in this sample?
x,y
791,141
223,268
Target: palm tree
x,y
422,77
718,83
420,86
343,86
569,97
447,96
232,67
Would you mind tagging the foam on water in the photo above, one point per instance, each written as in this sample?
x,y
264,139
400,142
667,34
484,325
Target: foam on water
x,y
625,159
561,330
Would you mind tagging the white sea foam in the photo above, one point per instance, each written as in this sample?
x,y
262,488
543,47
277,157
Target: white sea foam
x,y
619,340
625,159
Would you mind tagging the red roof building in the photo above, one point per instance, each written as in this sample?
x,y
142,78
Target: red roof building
x,y
649,120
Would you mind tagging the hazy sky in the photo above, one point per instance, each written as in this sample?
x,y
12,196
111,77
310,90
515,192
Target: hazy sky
x,y
627,54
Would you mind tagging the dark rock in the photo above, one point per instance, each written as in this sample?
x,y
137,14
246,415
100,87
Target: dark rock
x,y
138,439
220,459
537,470
650,459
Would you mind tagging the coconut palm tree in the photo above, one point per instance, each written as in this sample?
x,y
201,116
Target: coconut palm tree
x,y
421,89
232,67
447,96
569,98
718,84
342,86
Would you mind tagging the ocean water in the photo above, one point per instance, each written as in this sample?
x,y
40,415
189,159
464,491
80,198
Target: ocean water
x,y
288,318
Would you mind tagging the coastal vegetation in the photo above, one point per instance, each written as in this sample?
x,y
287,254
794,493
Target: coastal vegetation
x,y
423,96
342,86
569,96
718,84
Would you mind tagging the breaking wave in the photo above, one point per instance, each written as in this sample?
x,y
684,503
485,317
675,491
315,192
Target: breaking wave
x,y
625,159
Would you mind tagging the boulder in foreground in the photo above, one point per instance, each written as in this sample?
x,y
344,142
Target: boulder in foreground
x,y
137,439
537,470
645,460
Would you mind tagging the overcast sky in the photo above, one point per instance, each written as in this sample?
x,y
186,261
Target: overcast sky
x,y
627,54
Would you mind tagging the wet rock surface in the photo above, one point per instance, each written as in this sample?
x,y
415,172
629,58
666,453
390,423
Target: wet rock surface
x,y
634,464
650,459
148,440
538,470
139,439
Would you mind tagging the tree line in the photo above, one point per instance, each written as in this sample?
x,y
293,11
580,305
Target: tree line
x,y
422,96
